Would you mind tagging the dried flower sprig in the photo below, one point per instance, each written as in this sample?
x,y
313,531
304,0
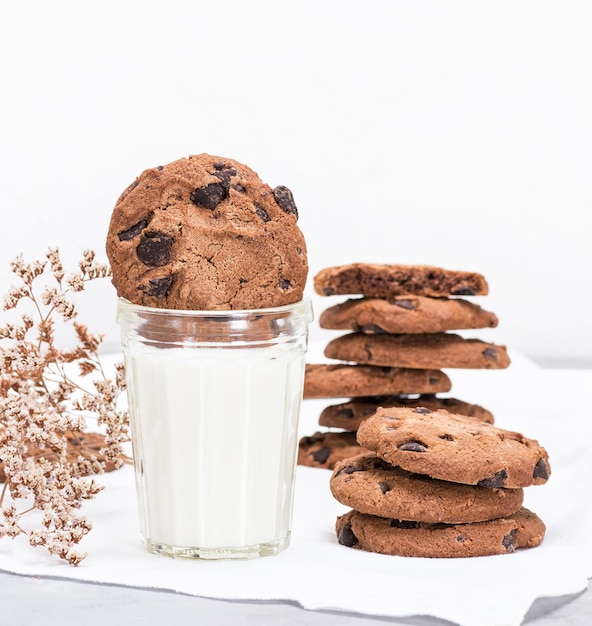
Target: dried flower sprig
x,y
46,458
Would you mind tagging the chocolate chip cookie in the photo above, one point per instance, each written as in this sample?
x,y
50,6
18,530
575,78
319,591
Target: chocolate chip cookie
x,y
424,351
454,448
368,484
326,449
504,535
349,415
205,233
406,314
388,281
79,445
343,381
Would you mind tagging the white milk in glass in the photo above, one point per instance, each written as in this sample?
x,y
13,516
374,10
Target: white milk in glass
x,y
215,437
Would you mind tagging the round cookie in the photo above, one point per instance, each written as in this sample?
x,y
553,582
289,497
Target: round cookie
x,y
342,380
387,281
85,445
349,415
326,449
406,314
430,350
368,484
205,233
454,448
504,535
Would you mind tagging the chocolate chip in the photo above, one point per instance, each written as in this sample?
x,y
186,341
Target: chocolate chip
x,y
400,523
239,188
242,281
283,196
413,446
345,412
495,481
460,538
447,437
406,304
135,230
155,249
350,469
422,410
384,487
371,329
541,470
346,536
208,197
218,165
225,174
433,380
386,370
262,213
159,287
463,291
328,291
509,541
490,354
285,283
321,455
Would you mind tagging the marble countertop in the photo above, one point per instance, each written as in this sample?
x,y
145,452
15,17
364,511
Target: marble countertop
x,y
28,600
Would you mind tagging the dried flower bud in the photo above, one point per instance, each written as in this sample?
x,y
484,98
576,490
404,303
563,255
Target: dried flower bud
x,y
45,453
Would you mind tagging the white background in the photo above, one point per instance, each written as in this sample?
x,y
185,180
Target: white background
x,y
436,132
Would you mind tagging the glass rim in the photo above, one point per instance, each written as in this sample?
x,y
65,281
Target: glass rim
x,y
305,303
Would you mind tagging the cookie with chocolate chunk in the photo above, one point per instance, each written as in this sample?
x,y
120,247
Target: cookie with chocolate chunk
x,y
406,314
205,233
453,447
349,415
504,535
342,380
82,449
326,449
370,485
423,351
388,281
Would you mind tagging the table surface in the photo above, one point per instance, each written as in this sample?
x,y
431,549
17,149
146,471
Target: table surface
x,y
28,600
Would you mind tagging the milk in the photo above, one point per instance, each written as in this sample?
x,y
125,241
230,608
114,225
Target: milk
x,y
215,437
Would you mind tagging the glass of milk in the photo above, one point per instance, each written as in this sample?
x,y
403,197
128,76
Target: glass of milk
x,y
214,403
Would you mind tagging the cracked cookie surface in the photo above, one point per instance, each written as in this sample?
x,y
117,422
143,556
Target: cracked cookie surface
x,y
342,380
406,314
205,233
387,281
368,484
424,351
349,415
454,448
504,535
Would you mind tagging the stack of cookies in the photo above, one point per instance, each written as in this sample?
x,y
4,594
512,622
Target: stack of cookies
x,y
398,343
436,484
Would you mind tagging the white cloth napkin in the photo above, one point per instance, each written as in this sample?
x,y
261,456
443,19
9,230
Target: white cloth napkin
x,y
318,573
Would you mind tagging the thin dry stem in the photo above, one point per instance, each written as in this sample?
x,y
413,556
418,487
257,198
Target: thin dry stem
x,y
46,456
